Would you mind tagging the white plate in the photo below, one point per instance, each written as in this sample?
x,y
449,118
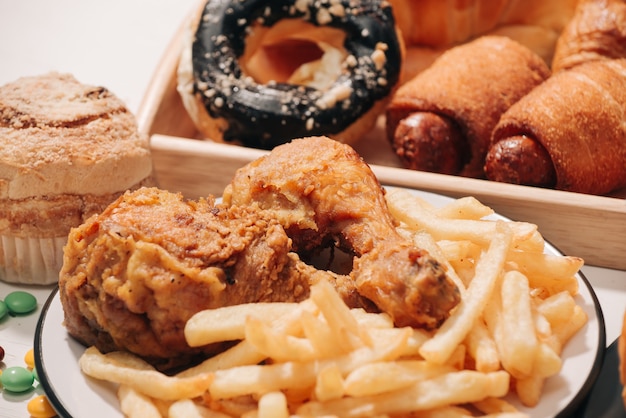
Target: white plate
x,y
75,395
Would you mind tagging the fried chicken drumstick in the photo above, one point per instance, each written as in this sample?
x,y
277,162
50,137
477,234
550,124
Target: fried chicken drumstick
x,y
322,192
134,274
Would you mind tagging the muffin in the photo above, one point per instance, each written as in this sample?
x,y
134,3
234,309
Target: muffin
x,y
67,150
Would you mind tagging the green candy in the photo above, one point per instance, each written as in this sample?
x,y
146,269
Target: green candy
x,y
17,379
4,310
20,302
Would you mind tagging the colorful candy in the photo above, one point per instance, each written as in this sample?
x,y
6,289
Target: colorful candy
x,y
20,302
17,379
21,379
29,359
4,310
39,407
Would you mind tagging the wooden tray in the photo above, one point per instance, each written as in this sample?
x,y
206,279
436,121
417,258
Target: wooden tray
x,y
591,227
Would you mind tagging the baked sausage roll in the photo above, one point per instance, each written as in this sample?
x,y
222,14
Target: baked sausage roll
x,y
569,132
441,120
260,73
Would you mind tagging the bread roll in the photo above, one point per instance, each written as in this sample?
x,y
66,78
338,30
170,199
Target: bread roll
x,y
597,31
68,150
429,27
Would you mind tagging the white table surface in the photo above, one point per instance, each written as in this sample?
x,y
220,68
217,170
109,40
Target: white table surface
x,y
118,44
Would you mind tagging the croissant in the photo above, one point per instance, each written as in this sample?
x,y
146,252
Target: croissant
x,y
441,120
597,31
569,133
429,27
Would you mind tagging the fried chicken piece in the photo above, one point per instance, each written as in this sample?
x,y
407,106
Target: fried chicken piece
x,y
322,192
134,274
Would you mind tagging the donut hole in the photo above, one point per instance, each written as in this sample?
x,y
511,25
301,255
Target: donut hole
x,y
296,52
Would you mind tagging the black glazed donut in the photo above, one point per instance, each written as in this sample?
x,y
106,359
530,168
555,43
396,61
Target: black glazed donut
x,y
264,115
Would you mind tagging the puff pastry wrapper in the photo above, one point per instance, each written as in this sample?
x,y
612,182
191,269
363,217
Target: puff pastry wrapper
x,y
578,116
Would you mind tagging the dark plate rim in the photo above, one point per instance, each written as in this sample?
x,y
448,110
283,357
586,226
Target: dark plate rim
x,y
56,403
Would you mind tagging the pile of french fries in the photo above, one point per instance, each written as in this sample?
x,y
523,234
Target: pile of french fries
x,y
321,358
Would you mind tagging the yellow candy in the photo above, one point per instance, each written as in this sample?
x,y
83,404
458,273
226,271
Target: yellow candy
x,y
40,407
29,359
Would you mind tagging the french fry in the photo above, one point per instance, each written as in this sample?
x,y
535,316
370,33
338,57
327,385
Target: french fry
x,y
413,344
482,348
547,361
371,320
136,405
546,265
460,256
277,345
566,330
445,412
329,384
519,344
317,331
558,308
186,408
464,208
492,315
450,388
458,357
244,353
459,250
529,390
234,407
552,273
454,330
564,316
258,379
552,286
345,328
543,328
381,377
456,412
402,207
533,243
228,323
150,382
492,406
273,405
